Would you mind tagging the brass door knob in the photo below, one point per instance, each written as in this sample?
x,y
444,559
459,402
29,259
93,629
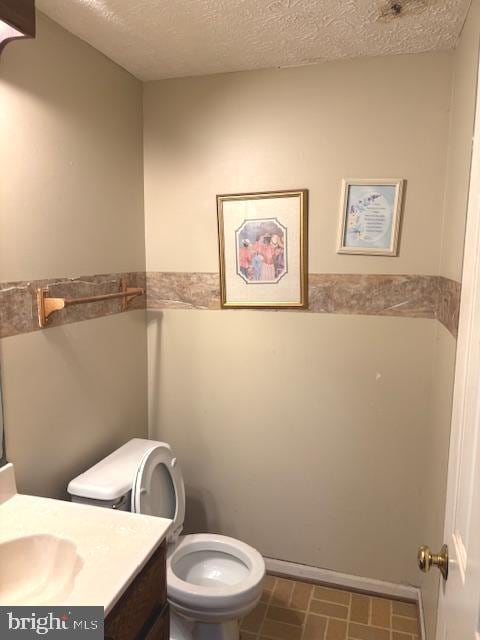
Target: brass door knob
x,y
426,559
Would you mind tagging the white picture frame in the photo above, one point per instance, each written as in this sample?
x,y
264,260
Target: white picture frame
x,y
370,216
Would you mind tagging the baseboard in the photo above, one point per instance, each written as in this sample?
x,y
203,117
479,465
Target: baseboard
x,y
315,574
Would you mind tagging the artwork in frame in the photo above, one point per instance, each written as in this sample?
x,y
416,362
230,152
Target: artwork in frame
x,y
370,217
263,249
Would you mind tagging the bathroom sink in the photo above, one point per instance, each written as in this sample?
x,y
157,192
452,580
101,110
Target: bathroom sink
x,y
37,570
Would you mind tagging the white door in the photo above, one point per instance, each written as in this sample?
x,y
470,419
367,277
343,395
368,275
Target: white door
x,y
459,601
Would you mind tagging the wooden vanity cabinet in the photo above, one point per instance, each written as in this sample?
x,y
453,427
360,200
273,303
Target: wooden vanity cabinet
x,y
142,611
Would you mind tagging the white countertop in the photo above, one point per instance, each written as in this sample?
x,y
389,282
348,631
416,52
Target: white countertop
x,y
113,545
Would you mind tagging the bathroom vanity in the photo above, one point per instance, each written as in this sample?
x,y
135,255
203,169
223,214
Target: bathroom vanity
x,y
76,554
142,611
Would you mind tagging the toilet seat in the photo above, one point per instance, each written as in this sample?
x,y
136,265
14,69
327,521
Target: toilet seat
x,y
158,488
184,593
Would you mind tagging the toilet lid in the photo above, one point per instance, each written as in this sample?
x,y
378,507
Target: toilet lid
x,y
158,488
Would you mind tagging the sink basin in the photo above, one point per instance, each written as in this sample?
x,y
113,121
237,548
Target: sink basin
x,y
37,570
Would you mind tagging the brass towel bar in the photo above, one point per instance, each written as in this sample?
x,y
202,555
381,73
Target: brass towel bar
x,y
47,305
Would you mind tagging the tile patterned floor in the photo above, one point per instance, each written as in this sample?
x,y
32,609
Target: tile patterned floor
x,y
293,610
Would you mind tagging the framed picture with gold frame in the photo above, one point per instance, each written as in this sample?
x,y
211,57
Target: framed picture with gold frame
x,y
370,215
262,240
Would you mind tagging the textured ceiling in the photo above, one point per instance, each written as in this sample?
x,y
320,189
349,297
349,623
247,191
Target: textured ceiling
x,y
168,38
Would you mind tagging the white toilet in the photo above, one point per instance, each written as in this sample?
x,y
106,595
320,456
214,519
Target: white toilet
x,y
212,580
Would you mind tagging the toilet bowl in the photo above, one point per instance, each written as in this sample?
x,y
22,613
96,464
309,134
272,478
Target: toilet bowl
x,y
212,580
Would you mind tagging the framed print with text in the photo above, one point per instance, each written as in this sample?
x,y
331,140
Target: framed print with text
x,y
263,249
370,217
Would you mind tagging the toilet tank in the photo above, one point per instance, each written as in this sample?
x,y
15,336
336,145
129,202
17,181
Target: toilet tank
x,y
109,482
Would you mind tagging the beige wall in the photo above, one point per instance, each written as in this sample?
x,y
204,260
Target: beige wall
x,y
72,395
297,128
465,69
71,198
302,434
71,158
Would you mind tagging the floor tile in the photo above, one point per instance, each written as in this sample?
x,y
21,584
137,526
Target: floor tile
x,y
336,629
364,632
329,609
297,610
315,628
407,609
282,592
269,583
332,595
290,616
280,630
301,595
254,620
408,625
360,609
381,612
